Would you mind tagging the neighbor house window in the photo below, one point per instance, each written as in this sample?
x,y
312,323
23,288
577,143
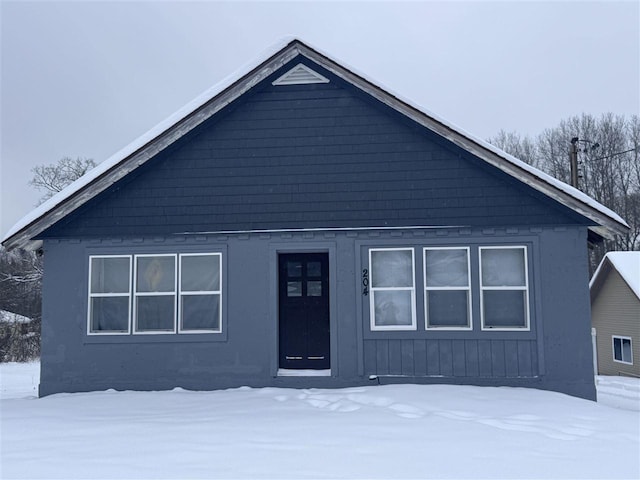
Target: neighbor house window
x,y
504,292
392,299
622,350
109,294
200,293
447,282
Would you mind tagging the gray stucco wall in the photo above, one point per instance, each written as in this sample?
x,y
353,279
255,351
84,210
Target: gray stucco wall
x,y
554,354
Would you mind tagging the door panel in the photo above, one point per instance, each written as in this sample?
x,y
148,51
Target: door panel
x,y
303,280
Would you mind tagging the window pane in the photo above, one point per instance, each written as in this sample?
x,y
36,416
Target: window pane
x,y
447,268
617,349
294,289
626,350
155,312
392,307
294,269
201,312
109,314
503,267
314,269
314,289
447,308
155,274
392,268
110,275
504,308
200,273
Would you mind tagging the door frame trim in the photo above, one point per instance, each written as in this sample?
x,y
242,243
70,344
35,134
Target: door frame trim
x,y
277,248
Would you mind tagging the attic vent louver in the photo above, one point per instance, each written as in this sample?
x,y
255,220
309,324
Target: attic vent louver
x,y
300,75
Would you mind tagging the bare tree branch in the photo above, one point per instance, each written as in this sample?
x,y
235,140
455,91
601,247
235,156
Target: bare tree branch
x,y
609,173
52,178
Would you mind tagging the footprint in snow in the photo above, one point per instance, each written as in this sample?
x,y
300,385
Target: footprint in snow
x,y
343,406
541,428
318,403
524,417
406,411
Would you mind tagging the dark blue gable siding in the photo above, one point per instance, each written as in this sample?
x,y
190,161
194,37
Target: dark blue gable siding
x,y
310,156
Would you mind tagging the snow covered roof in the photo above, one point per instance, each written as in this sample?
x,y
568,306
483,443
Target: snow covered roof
x,y
627,264
10,317
232,87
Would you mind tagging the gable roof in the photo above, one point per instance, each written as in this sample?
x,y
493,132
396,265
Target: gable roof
x,y
226,91
627,264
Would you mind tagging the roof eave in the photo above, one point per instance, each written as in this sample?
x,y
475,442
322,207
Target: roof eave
x,y
606,226
23,237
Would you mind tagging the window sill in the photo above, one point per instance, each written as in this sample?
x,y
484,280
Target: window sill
x,y
623,362
155,338
289,372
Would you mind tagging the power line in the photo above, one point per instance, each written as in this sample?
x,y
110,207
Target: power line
x,y
613,155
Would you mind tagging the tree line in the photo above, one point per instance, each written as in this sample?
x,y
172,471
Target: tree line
x,y
21,270
608,166
609,171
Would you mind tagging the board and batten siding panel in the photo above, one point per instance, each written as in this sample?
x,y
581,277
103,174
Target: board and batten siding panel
x,y
309,156
451,358
616,311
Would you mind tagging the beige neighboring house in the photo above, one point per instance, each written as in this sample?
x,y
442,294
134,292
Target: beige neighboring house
x,y
615,313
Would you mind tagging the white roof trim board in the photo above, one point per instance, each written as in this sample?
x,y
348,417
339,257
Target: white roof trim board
x,y
627,264
220,95
300,75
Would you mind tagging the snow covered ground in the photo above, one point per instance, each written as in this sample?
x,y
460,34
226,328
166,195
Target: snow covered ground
x,y
619,392
400,431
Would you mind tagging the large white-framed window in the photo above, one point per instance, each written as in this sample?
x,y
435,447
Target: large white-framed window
x,y
392,301
154,300
622,350
447,283
109,305
504,288
162,293
200,293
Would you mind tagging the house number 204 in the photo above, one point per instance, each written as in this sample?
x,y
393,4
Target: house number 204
x,y
365,282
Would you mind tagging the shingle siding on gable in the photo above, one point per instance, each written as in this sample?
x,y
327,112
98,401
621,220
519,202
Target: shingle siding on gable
x,y
309,156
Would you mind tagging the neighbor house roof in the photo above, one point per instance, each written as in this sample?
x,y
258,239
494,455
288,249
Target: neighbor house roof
x,y
216,98
627,264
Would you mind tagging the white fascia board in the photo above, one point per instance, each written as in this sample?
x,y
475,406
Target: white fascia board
x,y
543,182
146,146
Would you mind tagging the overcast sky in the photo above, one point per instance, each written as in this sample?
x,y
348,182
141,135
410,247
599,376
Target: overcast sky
x,y
87,78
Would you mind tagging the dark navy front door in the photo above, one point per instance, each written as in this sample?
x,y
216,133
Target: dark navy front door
x,y
304,310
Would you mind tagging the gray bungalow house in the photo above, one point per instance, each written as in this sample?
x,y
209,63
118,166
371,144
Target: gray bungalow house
x,y
301,226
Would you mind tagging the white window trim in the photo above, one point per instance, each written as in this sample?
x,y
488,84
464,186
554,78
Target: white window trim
x,y
427,289
613,349
524,288
91,295
200,292
373,289
154,294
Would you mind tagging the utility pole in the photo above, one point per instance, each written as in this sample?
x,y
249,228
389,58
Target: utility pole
x,y
573,161
573,157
